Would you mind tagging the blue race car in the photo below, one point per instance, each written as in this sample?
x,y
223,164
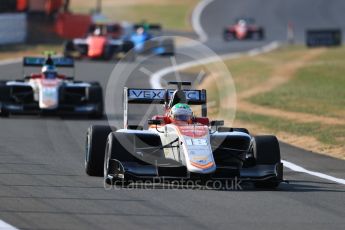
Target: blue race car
x,y
147,40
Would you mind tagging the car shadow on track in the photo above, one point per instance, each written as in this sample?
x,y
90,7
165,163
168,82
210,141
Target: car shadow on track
x,y
311,186
291,186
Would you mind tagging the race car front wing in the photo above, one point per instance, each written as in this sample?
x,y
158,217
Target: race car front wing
x,y
133,171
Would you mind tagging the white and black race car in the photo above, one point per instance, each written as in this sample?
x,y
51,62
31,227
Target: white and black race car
x,y
201,149
49,92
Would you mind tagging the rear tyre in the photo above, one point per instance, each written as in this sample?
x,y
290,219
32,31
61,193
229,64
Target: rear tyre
x,y
128,49
96,138
261,34
108,53
68,48
267,152
4,97
169,47
4,91
127,46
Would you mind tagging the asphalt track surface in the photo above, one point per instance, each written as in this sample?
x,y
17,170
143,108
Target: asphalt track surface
x,y
43,184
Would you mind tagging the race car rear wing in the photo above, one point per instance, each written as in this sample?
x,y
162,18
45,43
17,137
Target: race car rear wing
x,y
39,61
162,96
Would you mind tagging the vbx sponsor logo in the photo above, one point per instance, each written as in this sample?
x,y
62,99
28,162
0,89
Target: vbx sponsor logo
x,y
190,94
154,94
159,94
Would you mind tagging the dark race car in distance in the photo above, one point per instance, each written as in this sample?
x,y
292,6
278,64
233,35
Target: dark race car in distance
x,y
243,29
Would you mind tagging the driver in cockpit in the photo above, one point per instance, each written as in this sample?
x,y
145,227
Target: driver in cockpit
x,y
181,113
49,72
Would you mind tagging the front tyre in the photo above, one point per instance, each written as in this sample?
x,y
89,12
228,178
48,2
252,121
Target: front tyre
x,y
4,97
267,152
96,138
4,112
258,35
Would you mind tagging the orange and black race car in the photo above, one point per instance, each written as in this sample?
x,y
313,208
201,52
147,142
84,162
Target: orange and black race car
x,y
243,29
103,41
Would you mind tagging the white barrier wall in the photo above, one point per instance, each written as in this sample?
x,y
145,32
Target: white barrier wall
x,y
13,28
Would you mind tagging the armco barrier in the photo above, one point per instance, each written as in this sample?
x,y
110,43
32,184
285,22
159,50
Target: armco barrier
x,y
13,27
72,25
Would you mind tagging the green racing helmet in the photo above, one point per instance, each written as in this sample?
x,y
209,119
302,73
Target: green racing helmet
x,y
181,112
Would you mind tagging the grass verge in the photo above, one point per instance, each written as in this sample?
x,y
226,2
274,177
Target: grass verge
x,y
172,14
316,88
323,133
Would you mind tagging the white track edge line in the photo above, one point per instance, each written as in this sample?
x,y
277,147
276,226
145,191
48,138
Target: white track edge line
x,y
298,168
6,226
196,15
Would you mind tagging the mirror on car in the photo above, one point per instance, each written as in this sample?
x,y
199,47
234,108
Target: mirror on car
x,y
154,122
217,123
135,127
